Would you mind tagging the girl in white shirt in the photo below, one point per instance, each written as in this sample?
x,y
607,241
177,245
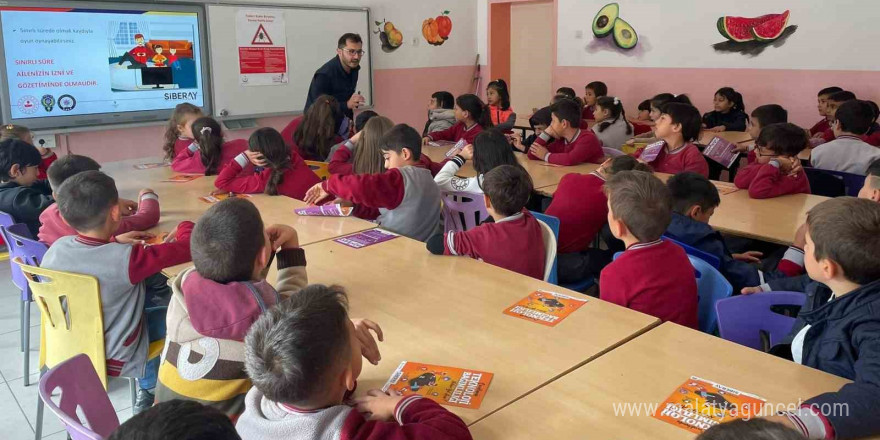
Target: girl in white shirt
x,y
611,126
490,149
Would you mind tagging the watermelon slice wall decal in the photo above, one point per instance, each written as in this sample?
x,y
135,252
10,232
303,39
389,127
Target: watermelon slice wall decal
x,y
751,36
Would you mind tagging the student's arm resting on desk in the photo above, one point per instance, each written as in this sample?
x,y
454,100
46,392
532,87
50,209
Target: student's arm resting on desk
x,y
589,150
448,181
769,182
444,135
292,277
340,161
189,160
415,418
230,180
146,217
384,190
746,175
149,260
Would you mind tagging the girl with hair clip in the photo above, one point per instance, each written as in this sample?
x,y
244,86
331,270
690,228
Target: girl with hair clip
x,y
315,132
729,114
22,133
179,134
472,116
209,152
361,153
498,98
611,126
283,171
489,150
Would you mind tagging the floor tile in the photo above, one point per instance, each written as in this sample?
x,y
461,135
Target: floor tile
x,y
13,424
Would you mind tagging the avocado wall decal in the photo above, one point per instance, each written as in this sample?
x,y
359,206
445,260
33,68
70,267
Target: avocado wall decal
x,y
751,36
614,33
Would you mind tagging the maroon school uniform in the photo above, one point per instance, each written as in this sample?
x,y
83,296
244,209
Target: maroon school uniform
x,y
583,147
828,135
181,144
641,128
341,162
190,159
685,158
655,278
582,209
290,129
873,136
765,181
514,243
820,127
587,113
457,132
294,183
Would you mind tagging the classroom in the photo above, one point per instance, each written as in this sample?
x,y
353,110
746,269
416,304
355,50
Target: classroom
x,y
467,219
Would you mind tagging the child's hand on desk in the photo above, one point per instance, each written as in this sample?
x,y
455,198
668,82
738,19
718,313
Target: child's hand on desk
x,y
378,405
749,257
467,152
800,237
538,151
315,194
516,141
255,158
425,140
282,236
172,236
369,347
128,207
134,237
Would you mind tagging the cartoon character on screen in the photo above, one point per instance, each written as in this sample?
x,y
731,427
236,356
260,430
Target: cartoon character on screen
x,y
424,380
159,59
139,54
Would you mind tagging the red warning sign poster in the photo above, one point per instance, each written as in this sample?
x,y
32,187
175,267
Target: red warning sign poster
x,y
261,37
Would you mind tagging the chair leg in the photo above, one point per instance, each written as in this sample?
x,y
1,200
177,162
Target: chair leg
x,y
26,337
38,427
132,382
21,309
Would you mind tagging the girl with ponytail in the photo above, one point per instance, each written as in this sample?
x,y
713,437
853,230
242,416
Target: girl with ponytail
x,y
730,112
281,171
498,98
314,133
612,127
472,117
208,152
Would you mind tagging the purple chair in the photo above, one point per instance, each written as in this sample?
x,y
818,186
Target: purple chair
x,y
462,211
612,152
80,387
6,220
31,252
748,319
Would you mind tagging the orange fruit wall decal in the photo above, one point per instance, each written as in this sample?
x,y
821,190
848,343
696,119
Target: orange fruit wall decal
x,y
436,30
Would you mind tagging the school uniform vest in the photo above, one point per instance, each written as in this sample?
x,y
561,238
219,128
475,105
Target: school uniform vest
x,y
419,212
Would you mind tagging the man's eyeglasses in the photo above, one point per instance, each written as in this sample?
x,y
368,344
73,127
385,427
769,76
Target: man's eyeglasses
x,y
354,52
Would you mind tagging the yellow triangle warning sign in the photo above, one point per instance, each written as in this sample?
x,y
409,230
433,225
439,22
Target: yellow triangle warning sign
x,y
261,37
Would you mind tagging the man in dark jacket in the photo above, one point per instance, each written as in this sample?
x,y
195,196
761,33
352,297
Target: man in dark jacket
x,y
339,76
21,194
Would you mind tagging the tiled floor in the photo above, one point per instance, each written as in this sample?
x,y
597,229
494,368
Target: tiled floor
x,y
18,404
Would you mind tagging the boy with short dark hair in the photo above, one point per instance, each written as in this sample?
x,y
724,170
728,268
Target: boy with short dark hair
x,y
125,270
572,145
179,420
848,152
761,117
871,189
22,195
825,122
873,135
834,101
678,126
404,199
777,169
514,240
652,276
53,226
694,199
304,358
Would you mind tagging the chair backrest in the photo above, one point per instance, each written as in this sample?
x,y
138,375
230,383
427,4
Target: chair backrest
x,y
6,220
550,234
29,251
612,152
711,287
321,169
18,278
71,319
690,250
830,183
463,211
80,387
748,319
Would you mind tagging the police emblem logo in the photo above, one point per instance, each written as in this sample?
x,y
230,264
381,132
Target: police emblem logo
x,y
66,102
48,102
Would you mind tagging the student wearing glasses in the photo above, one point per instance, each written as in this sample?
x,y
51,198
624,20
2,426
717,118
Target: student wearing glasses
x,y
339,76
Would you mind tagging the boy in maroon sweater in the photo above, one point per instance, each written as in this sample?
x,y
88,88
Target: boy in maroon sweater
x,y
777,170
825,123
582,209
514,240
304,358
570,144
678,126
652,276
831,105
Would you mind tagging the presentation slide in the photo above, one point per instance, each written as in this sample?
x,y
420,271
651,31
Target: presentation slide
x,y
65,62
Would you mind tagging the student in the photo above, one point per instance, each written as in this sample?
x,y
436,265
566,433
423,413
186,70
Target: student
x,y
729,113
490,150
405,196
304,358
656,103
177,419
498,100
472,117
582,209
209,153
359,122
179,134
750,429
539,121
652,276
441,114
777,170
315,132
611,127
848,152
361,153
592,92
761,117
214,303
642,122
145,216
22,195
822,99
282,172
23,133
563,142
514,240
694,199
835,330
678,127
567,91
127,270
871,188
831,105
872,136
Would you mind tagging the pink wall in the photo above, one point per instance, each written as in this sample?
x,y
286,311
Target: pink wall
x,y
400,94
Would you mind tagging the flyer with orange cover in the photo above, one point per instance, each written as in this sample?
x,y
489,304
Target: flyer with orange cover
x,y
699,404
182,178
545,308
445,385
214,198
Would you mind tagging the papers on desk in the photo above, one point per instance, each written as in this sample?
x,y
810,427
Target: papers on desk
x,y
440,143
183,178
330,210
650,153
725,188
214,198
147,166
545,308
366,238
721,151
699,404
444,385
456,148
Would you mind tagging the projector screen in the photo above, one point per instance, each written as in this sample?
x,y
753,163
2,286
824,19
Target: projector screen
x,y
73,63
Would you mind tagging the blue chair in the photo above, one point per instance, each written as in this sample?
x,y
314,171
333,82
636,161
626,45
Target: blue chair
x,y
749,319
580,286
711,287
690,250
834,183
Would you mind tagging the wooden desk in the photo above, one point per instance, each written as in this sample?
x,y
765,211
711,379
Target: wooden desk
x,y
735,137
647,370
448,311
805,154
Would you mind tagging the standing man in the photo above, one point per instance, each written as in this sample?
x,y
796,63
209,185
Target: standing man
x,y
339,76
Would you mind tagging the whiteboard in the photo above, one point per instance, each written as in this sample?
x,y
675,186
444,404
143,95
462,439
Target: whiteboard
x,y
312,34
